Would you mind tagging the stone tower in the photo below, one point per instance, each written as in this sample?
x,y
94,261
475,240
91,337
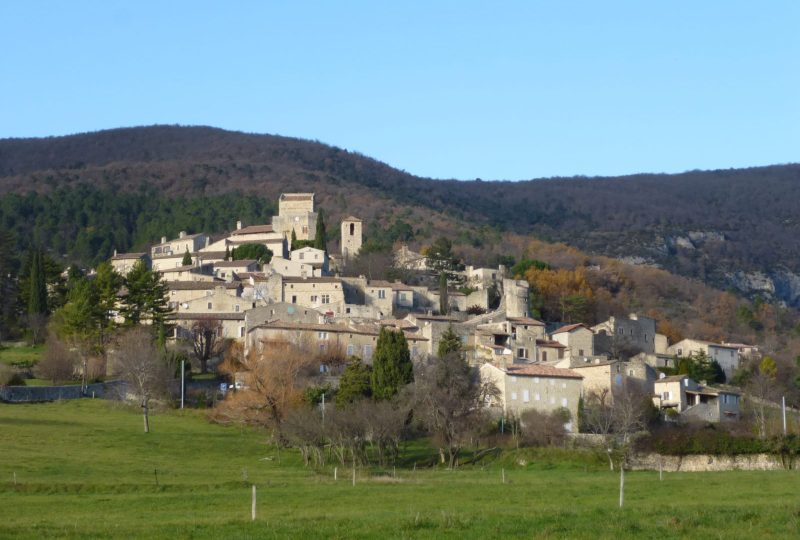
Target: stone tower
x,y
351,237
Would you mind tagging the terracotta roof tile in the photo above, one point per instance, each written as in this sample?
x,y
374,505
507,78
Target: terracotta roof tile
x,y
538,370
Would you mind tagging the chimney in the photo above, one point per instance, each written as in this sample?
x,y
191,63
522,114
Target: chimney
x,y
163,239
182,234
238,225
208,241
115,253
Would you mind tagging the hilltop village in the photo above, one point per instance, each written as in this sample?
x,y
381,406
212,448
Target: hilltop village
x,y
301,294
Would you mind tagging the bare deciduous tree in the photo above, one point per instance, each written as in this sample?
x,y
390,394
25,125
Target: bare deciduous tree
x,y
207,341
143,367
616,416
58,363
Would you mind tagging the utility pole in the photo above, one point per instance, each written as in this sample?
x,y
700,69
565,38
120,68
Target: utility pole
x,y
183,371
323,408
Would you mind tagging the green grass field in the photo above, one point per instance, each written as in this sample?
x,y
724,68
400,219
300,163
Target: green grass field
x,y
84,470
21,355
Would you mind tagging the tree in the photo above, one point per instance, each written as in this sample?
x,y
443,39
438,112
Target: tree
x,y
355,382
78,322
449,343
143,367
57,363
293,240
255,252
448,395
444,300
391,364
763,388
187,258
107,284
274,377
542,428
227,253
147,299
37,292
207,340
320,235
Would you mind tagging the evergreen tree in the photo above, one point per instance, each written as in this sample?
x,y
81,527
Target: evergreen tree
x,y
147,298
78,321
355,382
293,240
37,293
256,252
107,283
187,258
320,237
444,301
227,253
450,343
391,365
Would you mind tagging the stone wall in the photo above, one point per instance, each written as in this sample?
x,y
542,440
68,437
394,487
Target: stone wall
x,y
704,462
33,394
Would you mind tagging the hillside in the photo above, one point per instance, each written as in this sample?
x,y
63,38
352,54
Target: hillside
x,y
730,228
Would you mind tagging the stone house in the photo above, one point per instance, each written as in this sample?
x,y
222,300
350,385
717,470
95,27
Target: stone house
x,y
621,336
289,268
694,401
228,270
264,235
603,376
548,350
578,340
230,324
727,356
325,294
179,246
188,273
316,258
431,328
123,262
542,388
482,278
327,338
184,291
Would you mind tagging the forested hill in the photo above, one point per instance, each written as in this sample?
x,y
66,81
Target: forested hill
x,y
721,226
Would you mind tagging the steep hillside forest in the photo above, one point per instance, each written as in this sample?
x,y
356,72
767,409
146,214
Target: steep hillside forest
x,y
81,197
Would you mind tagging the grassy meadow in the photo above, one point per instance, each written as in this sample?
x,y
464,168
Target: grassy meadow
x,y
84,469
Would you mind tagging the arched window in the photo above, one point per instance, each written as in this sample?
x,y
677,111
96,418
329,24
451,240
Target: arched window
x,y
352,229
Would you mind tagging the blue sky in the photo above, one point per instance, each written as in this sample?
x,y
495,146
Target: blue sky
x,y
492,90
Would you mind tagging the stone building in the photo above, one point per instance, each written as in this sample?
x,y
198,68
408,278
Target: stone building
x,y
351,237
296,213
123,262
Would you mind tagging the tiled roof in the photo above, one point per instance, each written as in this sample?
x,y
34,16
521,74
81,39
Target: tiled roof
x,y
672,378
351,218
571,327
311,280
201,285
537,370
364,330
253,229
549,343
125,256
235,264
208,316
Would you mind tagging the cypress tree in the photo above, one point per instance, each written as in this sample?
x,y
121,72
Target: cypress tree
x,y
187,258
294,240
227,253
450,343
391,365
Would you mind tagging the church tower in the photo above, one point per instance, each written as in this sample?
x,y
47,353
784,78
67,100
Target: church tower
x,y
351,237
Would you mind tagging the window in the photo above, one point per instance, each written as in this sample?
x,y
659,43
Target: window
x,y
301,256
680,352
513,396
294,299
209,305
352,229
381,293
326,299
322,335
630,373
580,352
236,308
619,331
350,350
537,397
665,396
305,230
367,351
241,331
522,353
526,396
314,298
563,402
544,356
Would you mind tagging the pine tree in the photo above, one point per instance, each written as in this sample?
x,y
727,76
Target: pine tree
x,y
187,258
37,294
107,284
450,343
355,382
320,241
147,298
391,365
